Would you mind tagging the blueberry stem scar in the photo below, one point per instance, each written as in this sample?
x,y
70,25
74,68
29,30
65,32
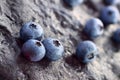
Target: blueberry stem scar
x,y
56,42
110,13
90,56
38,43
33,25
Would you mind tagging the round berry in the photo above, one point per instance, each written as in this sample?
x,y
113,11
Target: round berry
x,y
86,51
31,30
54,49
33,50
93,28
109,15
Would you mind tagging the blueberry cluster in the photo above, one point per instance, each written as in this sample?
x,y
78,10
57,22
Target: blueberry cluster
x,y
87,51
34,49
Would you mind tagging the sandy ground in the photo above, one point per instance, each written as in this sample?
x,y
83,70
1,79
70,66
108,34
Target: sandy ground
x,y
58,22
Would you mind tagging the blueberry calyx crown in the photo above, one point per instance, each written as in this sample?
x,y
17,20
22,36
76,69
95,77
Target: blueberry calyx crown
x,y
57,43
90,56
38,43
33,26
110,13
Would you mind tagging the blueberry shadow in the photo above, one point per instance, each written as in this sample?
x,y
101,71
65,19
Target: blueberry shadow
x,y
114,44
66,5
106,25
84,36
20,42
106,4
44,63
73,62
91,5
2,77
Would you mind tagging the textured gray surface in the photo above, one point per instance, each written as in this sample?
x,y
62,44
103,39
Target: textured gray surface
x,y
57,22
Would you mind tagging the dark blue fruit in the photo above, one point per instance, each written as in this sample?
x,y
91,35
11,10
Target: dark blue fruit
x,y
86,51
31,30
93,28
73,3
54,49
33,50
109,15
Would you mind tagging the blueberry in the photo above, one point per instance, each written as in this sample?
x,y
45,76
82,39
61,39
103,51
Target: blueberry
x,y
31,30
73,3
93,28
86,51
112,2
33,50
54,49
109,15
116,36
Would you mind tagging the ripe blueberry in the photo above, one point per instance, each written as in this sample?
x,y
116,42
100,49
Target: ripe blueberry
x,y
31,30
73,3
109,15
86,51
54,49
33,50
93,28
